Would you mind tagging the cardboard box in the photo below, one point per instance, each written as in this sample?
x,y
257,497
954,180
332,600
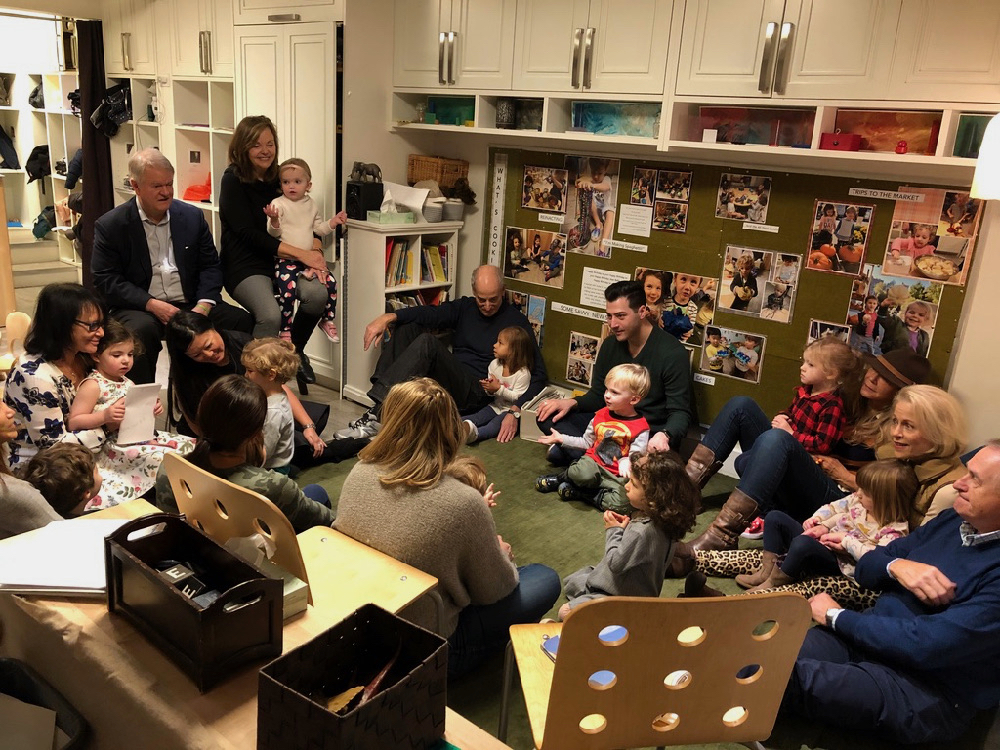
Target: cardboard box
x,y
529,430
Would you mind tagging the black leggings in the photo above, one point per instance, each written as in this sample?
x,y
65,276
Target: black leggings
x,y
804,556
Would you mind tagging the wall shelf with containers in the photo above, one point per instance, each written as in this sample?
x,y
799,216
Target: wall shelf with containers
x,y
142,131
63,135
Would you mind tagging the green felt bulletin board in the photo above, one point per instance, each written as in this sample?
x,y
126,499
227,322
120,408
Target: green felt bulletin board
x,y
700,250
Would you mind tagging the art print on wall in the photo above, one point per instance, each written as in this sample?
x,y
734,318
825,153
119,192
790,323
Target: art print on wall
x,y
745,273
580,357
896,313
743,197
536,256
643,186
681,303
536,316
933,239
673,186
591,204
544,189
838,237
820,328
781,287
732,353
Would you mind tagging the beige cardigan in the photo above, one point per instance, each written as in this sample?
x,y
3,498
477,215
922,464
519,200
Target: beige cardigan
x,y
936,492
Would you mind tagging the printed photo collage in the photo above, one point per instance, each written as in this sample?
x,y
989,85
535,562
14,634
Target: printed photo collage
x,y
667,192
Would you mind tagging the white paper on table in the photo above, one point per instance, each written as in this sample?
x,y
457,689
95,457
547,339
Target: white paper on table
x,y
406,198
139,423
25,725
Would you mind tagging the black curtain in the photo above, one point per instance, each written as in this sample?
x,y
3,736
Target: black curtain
x,y
98,191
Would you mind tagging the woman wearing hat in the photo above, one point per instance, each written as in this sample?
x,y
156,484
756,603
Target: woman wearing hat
x,y
777,472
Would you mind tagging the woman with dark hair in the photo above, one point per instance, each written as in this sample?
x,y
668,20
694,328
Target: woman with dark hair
x,y
232,414
248,185
22,506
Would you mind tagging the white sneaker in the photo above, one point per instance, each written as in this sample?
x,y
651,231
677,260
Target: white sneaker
x,y
472,432
365,426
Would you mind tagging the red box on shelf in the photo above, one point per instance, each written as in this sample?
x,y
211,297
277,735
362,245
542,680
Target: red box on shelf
x,y
840,141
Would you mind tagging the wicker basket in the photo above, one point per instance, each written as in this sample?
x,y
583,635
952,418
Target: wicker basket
x,y
443,171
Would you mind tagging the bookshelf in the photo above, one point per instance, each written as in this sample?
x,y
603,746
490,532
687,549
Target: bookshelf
x,y
387,267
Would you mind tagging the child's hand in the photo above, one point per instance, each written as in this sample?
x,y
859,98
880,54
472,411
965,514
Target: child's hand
x,y
810,522
315,441
613,520
490,384
340,218
833,540
157,408
114,414
781,422
816,532
272,213
490,496
553,438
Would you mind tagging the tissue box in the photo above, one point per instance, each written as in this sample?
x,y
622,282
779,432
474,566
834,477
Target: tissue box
x,y
382,217
529,430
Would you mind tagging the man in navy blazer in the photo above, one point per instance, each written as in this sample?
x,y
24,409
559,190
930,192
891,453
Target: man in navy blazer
x,y
153,257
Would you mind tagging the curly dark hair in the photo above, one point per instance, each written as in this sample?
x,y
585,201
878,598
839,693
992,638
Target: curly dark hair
x,y
671,497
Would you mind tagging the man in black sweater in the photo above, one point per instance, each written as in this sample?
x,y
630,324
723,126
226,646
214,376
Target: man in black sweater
x,y
412,352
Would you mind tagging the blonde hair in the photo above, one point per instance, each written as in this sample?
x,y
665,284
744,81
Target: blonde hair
x,y
468,470
892,486
295,162
841,362
271,356
420,436
745,262
632,376
939,417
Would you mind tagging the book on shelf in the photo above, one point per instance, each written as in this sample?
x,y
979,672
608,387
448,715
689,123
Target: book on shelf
x,y
437,267
443,253
389,244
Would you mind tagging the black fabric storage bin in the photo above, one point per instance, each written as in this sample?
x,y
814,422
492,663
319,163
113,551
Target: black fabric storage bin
x,y
407,712
20,681
209,644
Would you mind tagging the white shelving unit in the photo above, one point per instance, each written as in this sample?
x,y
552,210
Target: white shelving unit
x,y
364,292
134,135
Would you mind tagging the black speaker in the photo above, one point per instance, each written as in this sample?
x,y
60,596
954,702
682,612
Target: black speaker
x,y
362,197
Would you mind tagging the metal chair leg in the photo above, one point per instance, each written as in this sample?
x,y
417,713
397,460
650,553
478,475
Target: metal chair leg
x,y
508,678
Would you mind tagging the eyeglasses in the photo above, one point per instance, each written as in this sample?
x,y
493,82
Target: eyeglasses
x,y
91,327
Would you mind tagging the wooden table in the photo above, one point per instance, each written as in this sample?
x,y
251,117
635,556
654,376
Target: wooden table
x,y
133,696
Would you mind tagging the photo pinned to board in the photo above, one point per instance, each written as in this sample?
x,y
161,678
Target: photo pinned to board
x,y
896,313
669,216
544,189
735,354
780,288
536,316
933,239
838,238
820,328
591,204
580,357
643,186
536,256
745,273
681,303
743,197
518,300
673,186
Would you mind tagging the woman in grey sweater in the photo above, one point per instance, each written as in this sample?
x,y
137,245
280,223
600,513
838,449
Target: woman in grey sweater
x,y
399,500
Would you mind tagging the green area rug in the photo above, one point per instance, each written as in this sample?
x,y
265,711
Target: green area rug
x,y
566,536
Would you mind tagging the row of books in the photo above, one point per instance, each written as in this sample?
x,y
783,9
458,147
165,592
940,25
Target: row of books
x,y
417,298
411,263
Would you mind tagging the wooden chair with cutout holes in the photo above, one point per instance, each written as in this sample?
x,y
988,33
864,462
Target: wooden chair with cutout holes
x,y
224,510
686,671
16,325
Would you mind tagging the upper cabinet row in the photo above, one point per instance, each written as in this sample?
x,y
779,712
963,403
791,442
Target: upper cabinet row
x,y
902,50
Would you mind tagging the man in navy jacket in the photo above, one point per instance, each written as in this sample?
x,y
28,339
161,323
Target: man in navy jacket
x,y
154,256
412,352
925,659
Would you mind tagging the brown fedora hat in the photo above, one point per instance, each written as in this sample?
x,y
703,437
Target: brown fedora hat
x,y
901,367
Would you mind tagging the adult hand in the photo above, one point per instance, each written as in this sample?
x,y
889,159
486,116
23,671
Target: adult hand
x,y
615,520
115,413
556,408
376,329
780,422
508,429
316,261
833,540
819,604
924,581
314,440
659,443
490,496
162,311
506,548
835,470
553,438
490,384
157,408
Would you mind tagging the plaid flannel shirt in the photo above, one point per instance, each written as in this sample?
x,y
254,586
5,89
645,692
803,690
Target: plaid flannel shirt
x,y
817,421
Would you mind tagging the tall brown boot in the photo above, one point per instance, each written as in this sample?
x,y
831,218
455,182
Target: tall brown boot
x,y
682,562
777,578
724,532
695,588
702,465
767,563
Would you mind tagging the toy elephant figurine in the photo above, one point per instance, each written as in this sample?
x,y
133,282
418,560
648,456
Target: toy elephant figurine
x,y
366,172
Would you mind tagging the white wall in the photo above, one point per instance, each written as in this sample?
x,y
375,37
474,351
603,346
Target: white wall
x,y
81,9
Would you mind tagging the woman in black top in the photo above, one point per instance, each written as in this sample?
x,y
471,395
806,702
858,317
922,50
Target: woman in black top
x,y
250,183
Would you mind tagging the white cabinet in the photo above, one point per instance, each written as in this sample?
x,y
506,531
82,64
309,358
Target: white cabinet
x,y
806,49
128,37
945,56
462,43
610,46
273,11
201,38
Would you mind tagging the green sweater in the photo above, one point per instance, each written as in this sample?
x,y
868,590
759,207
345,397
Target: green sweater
x,y
667,406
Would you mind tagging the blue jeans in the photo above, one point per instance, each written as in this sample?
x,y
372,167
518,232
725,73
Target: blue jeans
x,y
484,629
317,493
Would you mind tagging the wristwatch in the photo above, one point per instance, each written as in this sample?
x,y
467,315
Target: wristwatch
x,y
517,414
831,616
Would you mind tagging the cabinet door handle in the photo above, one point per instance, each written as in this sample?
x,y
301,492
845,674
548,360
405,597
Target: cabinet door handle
x,y
285,17
767,60
577,44
441,53
452,36
208,52
588,56
784,46
127,50
201,51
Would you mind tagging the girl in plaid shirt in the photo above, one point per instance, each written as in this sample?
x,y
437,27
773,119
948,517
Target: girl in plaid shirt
x,y
817,415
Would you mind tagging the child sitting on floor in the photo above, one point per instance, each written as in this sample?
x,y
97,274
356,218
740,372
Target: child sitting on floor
x,y
615,432
67,477
509,376
835,537
470,470
270,363
636,550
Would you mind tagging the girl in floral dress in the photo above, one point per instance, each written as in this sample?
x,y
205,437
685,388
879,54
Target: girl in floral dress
x,y
100,402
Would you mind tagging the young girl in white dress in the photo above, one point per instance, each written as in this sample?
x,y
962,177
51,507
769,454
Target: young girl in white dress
x,y
100,402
